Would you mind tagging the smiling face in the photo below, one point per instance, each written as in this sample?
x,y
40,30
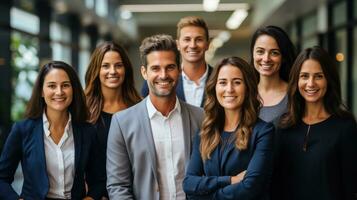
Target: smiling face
x,y
57,91
192,44
312,82
267,56
230,88
112,71
161,73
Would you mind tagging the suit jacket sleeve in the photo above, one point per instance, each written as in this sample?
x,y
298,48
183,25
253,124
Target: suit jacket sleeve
x,y
195,183
9,161
144,89
119,175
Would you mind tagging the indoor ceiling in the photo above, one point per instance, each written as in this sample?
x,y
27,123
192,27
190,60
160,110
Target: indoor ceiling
x,y
149,23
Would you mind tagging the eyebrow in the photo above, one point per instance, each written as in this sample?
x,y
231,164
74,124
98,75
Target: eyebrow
x,y
51,82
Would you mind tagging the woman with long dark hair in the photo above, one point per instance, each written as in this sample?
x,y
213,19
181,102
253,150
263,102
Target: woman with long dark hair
x,y
109,89
232,154
317,141
54,143
272,55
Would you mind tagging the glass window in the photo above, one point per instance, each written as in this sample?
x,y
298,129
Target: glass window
x,y
293,33
354,77
341,49
89,3
24,21
339,16
60,42
25,64
84,56
101,8
355,9
310,42
309,25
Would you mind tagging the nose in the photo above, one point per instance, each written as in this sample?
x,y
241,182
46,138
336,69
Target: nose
x,y
310,82
193,44
229,87
266,57
112,69
163,74
59,90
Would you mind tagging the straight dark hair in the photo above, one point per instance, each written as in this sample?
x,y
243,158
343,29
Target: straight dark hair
x,y
287,48
37,104
332,100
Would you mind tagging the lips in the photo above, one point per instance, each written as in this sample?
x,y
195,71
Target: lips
x,y
311,91
59,99
229,98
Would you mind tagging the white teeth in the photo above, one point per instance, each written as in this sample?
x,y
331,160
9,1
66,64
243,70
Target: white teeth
x,y
163,83
229,98
311,92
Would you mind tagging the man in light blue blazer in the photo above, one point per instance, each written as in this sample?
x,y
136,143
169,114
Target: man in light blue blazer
x,y
149,144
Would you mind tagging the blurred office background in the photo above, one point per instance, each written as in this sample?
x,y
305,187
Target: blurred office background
x,y
35,31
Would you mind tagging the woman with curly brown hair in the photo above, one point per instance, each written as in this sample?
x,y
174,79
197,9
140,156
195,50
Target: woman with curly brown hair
x,y
232,155
109,89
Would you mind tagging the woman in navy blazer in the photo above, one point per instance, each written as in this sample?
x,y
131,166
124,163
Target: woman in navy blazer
x,y
55,115
232,155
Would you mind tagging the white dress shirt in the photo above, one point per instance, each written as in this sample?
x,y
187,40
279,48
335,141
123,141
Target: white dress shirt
x,y
59,161
170,151
193,92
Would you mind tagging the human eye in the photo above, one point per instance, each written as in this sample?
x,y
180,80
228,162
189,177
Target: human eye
x,y
105,66
237,82
119,65
222,82
259,51
154,68
171,67
51,86
275,53
66,85
319,76
304,76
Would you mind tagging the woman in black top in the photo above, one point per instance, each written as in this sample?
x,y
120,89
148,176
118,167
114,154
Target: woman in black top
x,y
317,144
109,88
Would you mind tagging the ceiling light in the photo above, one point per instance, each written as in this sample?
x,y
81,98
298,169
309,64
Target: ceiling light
x,y
181,7
125,14
236,19
210,5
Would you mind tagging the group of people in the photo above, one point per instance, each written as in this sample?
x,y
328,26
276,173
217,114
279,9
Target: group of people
x,y
272,129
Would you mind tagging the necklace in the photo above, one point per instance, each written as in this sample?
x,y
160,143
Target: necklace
x,y
304,147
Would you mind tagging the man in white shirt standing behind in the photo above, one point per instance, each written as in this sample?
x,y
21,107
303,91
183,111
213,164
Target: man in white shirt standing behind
x,y
149,144
192,42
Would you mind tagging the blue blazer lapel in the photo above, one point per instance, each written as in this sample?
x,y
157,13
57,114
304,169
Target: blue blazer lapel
x,y
39,144
179,89
77,137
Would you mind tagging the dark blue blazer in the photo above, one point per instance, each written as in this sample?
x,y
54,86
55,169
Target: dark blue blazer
x,y
211,179
25,143
179,88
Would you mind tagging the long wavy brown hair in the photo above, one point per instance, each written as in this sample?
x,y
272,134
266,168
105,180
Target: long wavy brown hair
x,y
93,89
213,122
